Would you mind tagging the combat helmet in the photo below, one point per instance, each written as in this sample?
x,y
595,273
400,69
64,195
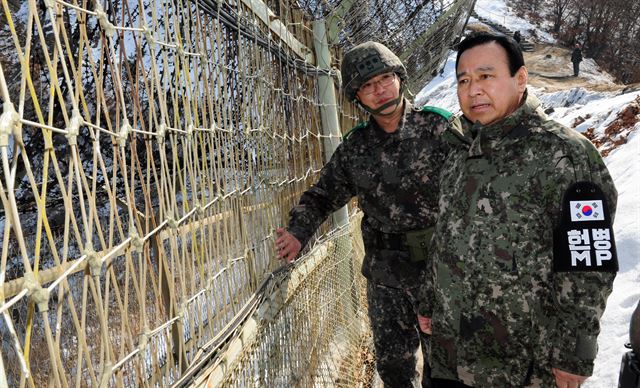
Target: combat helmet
x,y
366,61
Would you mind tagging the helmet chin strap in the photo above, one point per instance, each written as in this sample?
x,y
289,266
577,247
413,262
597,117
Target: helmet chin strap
x,y
395,102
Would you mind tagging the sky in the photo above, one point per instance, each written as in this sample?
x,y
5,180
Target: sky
x,y
599,109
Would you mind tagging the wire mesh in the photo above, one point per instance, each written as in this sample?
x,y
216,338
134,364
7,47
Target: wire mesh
x,y
148,151
318,333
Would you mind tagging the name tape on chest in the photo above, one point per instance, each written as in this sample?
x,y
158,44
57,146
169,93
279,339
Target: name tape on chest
x,y
583,241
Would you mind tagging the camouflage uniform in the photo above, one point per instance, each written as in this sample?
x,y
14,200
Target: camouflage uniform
x,y
501,316
392,175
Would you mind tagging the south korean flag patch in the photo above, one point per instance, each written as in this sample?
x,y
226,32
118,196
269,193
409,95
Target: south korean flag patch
x,y
584,239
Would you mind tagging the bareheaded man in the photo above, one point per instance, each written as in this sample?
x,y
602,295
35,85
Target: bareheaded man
x,y
524,254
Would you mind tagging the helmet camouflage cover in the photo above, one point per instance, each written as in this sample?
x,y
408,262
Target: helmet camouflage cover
x,y
366,61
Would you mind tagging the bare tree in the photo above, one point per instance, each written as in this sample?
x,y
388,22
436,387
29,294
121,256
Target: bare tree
x,y
559,10
608,31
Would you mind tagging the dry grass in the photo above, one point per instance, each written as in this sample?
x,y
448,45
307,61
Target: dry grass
x,y
618,131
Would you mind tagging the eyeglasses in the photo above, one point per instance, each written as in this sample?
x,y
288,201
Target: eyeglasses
x,y
384,80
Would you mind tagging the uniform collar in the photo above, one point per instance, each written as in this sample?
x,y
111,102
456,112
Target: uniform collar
x,y
485,137
377,134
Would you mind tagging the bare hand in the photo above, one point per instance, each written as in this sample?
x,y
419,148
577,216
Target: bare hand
x,y
567,380
287,245
425,324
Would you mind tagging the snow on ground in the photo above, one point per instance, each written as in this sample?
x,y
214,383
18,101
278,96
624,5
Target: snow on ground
x,y
599,109
441,91
497,11
624,168
590,71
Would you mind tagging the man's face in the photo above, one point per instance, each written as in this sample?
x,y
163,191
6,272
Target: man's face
x,y
486,90
379,90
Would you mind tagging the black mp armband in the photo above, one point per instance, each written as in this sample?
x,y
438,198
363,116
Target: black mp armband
x,y
583,240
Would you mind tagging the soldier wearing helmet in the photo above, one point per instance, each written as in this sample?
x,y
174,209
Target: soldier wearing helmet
x,y
366,64
391,165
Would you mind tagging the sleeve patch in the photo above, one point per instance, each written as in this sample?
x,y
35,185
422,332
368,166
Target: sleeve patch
x,y
583,241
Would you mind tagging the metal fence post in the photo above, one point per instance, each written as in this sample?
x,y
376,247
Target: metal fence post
x,y
328,105
331,129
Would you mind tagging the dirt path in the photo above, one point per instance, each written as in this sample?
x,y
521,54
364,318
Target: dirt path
x,y
550,68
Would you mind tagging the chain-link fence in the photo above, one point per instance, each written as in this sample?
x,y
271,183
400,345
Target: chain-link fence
x,y
149,149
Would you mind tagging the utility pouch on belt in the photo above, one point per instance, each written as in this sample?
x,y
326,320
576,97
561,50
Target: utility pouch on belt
x,y
417,241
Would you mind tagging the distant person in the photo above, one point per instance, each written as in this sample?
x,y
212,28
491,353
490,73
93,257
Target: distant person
x,y
576,58
524,255
630,369
391,164
517,37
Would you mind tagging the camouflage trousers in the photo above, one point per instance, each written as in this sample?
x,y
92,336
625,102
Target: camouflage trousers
x,y
397,336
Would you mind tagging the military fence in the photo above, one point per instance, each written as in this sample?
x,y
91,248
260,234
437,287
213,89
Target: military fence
x,y
149,149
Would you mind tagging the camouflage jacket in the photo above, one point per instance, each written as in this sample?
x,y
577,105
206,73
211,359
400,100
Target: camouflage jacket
x,y
394,177
501,316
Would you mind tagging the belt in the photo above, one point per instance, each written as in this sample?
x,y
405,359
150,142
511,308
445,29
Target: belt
x,y
414,241
392,241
